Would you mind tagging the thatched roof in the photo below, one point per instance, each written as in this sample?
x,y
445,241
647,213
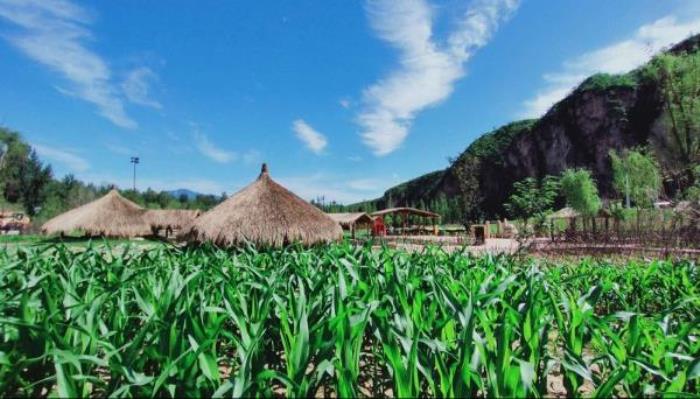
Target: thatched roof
x,y
347,220
172,218
109,216
405,210
267,214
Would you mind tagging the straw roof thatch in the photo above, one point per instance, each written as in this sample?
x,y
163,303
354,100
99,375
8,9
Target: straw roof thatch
x,y
109,216
171,218
266,214
347,220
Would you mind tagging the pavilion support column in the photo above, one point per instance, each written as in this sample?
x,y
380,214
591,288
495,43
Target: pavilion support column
x,y
405,222
551,229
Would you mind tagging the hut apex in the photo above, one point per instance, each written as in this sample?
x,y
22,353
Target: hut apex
x,y
266,214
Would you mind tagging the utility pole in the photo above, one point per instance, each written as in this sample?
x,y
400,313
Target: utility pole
x,y
135,161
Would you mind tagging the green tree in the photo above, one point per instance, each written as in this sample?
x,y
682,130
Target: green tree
x,y
533,198
580,191
467,171
23,178
636,177
679,144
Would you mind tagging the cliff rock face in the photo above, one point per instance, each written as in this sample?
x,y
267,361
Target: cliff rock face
x,y
606,112
578,132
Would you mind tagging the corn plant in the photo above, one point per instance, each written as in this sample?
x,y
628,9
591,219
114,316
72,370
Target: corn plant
x,y
341,320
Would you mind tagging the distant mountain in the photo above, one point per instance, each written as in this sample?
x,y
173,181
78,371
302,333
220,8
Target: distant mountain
x,y
191,195
606,112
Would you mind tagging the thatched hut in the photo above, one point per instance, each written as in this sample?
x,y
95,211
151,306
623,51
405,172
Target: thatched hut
x,y
266,214
109,216
170,220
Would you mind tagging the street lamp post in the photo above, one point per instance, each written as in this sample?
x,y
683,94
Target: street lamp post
x,y
135,161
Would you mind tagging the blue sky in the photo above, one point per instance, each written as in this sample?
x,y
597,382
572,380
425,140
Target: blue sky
x,y
342,98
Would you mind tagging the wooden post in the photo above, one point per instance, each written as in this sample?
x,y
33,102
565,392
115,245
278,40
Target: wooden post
x,y
551,228
405,222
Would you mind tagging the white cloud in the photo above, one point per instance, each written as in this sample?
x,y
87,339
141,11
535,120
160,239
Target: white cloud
x,y
66,157
313,140
137,88
618,57
341,189
54,34
210,150
427,70
345,103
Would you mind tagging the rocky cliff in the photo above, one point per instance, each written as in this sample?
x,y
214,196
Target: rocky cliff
x,y
606,112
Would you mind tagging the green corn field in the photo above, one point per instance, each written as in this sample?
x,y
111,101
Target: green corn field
x,y
342,321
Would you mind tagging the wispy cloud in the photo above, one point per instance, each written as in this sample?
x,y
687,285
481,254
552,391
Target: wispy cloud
x,y
55,33
427,70
345,103
137,87
313,140
66,157
618,57
212,151
332,187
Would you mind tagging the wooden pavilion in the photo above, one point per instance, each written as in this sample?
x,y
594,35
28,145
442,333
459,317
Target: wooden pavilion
x,y
406,213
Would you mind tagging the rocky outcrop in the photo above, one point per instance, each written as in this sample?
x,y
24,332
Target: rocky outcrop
x,y
606,112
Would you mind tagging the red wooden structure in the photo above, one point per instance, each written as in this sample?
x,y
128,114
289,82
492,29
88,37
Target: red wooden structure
x,y
378,227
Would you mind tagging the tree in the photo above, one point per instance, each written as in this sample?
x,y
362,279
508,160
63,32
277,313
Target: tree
x,y
467,170
636,176
23,178
34,177
679,144
533,198
580,191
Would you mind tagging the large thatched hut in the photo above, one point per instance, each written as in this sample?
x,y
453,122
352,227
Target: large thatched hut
x,y
170,220
266,214
109,216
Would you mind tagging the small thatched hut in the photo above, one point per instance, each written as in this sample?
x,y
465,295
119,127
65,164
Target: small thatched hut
x,y
352,220
171,220
266,214
109,216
